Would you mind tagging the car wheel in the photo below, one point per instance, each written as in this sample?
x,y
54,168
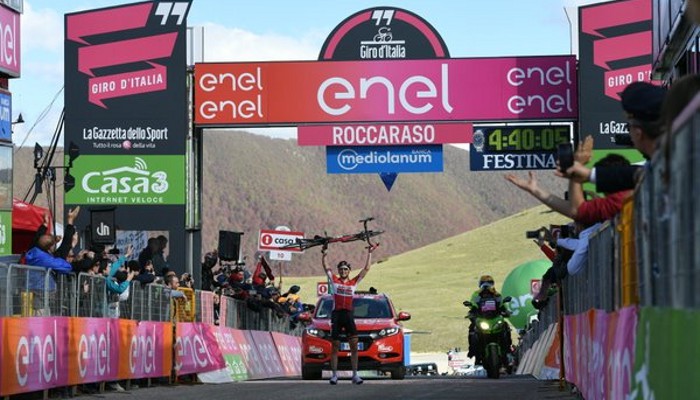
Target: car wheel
x,y
310,373
398,373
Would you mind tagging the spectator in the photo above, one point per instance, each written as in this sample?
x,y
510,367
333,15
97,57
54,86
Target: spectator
x,y
642,103
118,280
209,270
41,255
260,277
159,261
586,212
173,283
146,275
187,281
147,253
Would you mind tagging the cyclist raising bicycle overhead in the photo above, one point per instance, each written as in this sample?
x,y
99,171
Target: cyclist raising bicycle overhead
x,y
342,318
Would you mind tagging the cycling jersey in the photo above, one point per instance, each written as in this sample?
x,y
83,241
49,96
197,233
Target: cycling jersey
x,y
342,291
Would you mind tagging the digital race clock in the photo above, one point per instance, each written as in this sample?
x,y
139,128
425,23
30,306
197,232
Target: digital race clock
x,y
511,139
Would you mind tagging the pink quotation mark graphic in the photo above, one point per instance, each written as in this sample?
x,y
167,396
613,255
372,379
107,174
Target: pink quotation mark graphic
x,y
91,57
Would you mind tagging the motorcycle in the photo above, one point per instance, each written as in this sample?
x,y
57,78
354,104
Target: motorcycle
x,y
491,329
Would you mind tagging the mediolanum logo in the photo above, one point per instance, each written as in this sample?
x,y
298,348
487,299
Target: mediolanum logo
x,y
125,180
128,180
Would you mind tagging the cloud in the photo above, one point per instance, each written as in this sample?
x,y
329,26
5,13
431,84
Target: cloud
x,y
233,44
223,44
42,30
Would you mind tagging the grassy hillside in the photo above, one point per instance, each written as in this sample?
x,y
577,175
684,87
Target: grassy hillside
x,y
253,182
432,281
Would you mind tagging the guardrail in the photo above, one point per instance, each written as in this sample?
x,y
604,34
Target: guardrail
x,y
647,258
29,291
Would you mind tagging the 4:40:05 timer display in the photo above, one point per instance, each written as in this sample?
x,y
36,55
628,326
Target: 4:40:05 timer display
x,y
526,138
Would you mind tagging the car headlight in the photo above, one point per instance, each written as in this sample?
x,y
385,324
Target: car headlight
x,y
315,332
484,325
388,332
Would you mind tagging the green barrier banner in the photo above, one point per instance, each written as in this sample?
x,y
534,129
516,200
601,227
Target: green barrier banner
x,y
519,285
128,180
5,233
665,352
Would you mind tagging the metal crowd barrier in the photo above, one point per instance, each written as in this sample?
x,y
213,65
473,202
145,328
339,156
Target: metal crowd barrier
x,y
668,218
29,291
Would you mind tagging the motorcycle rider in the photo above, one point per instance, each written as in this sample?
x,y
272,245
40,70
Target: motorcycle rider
x,y
486,291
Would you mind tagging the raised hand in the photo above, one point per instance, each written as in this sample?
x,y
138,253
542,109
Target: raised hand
x,y
529,185
584,151
73,214
129,250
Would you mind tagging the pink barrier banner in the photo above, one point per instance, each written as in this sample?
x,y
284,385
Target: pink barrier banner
x,y
585,332
251,357
381,134
146,349
599,352
94,350
289,349
231,350
570,347
35,354
460,89
620,363
10,56
196,349
598,356
268,351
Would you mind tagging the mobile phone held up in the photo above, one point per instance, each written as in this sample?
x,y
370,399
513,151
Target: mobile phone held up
x,y
565,156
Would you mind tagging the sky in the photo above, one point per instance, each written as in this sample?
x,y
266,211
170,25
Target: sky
x,y
266,30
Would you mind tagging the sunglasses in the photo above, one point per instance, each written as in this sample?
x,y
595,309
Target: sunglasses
x,y
343,268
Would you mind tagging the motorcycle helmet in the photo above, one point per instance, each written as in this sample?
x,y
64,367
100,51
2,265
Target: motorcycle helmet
x,y
486,282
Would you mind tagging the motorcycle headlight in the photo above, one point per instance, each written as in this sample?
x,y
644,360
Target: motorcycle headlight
x,y
484,325
315,332
388,332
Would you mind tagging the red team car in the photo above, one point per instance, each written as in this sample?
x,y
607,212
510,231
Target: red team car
x,y
380,345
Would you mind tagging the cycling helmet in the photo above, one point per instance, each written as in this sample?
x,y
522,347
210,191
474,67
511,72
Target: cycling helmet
x,y
294,289
486,281
343,264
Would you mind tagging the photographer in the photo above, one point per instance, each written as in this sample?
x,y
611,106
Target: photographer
x,y
187,281
571,256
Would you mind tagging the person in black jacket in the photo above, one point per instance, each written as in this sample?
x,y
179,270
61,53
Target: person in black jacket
x,y
642,103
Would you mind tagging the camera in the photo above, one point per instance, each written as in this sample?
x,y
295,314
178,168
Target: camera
x,y
533,234
561,231
565,156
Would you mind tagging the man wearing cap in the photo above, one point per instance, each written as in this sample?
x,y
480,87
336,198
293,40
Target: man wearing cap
x,y
641,102
342,318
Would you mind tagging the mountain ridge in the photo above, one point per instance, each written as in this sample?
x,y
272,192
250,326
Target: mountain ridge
x,y
252,182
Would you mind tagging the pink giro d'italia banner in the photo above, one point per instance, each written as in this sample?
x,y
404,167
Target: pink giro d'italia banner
x,y
196,349
231,350
251,357
35,354
268,351
289,349
11,51
145,349
380,134
93,355
599,352
466,89
621,353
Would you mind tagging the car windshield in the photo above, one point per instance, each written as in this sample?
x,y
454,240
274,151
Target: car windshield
x,y
364,307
